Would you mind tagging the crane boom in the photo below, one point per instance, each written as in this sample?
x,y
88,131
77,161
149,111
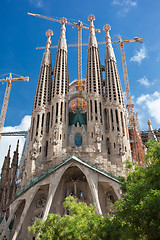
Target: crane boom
x,y
73,24
6,98
140,40
13,134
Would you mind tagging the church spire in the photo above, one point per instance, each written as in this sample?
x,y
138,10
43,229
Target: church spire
x,y
6,163
60,74
114,110
47,54
15,157
59,101
62,44
94,92
43,91
40,114
113,89
4,178
109,53
94,75
151,134
92,37
13,173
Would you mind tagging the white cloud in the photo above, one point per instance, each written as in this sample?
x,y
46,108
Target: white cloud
x,y
37,3
139,56
125,3
152,103
6,141
142,98
145,82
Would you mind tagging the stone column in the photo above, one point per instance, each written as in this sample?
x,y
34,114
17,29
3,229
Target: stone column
x,y
93,184
52,190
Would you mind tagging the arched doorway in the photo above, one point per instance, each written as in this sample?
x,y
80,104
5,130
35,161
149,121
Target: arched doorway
x,y
73,182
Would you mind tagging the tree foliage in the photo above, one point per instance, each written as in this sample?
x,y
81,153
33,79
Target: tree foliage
x,y
139,207
81,222
136,214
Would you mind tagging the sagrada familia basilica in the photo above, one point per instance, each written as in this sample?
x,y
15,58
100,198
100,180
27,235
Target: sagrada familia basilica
x,y
68,151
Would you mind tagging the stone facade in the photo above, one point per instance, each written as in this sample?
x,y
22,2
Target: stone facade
x,y
72,152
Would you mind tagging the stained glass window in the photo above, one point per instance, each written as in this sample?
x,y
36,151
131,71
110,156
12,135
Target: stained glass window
x,y
78,140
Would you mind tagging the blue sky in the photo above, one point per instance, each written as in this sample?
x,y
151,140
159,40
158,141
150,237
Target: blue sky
x,y
21,34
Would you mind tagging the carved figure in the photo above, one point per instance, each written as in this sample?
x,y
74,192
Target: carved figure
x,y
55,136
35,150
120,144
97,129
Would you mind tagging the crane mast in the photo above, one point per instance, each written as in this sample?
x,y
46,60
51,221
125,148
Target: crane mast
x,y
135,135
6,98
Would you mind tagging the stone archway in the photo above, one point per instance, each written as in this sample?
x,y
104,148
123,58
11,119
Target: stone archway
x,y
107,197
16,216
35,210
73,182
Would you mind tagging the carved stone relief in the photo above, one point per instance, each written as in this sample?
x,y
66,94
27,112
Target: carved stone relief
x,y
40,203
98,136
55,132
121,150
35,149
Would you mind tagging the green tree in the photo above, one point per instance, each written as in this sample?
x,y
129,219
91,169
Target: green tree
x,y
82,223
139,208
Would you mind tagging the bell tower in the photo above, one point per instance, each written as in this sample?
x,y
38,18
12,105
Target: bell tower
x,y
116,128
95,120
40,114
59,101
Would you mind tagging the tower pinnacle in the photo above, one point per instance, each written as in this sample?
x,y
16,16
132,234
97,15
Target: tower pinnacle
x,y
151,134
92,36
62,41
47,54
109,54
6,163
49,33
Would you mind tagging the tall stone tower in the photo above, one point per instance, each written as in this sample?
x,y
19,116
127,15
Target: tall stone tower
x,y
8,183
39,129
95,119
59,101
71,151
4,179
151,133
116,128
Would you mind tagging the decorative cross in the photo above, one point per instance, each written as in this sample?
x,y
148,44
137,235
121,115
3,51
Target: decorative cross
x,y
49,33
107,27
63,20
91,18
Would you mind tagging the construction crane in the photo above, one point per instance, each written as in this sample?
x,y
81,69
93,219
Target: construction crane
x,y
134,131
6,97
15,134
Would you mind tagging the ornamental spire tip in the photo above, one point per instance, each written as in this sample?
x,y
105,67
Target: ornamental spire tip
x,y
91,18
49,33
107,27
